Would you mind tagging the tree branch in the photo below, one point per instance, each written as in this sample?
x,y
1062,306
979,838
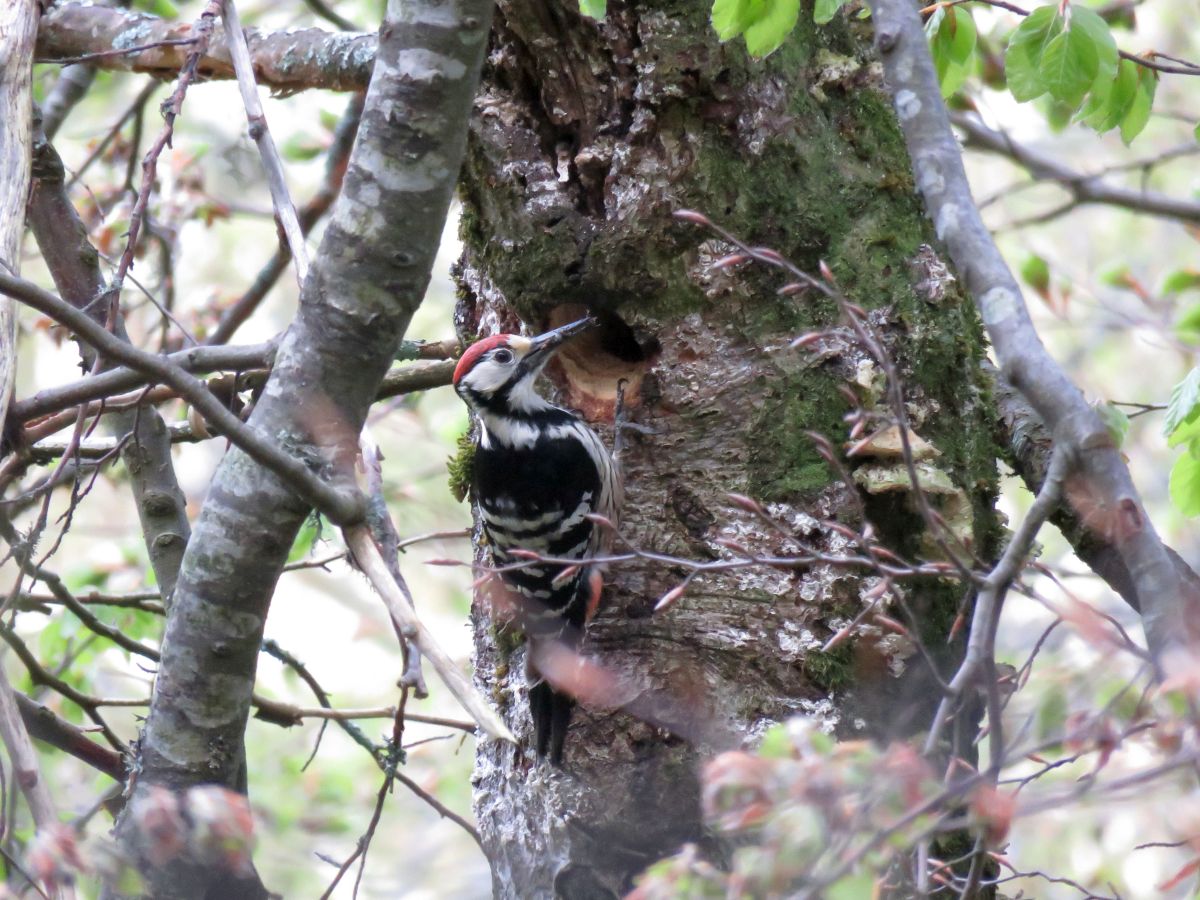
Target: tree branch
x,y
1099,486
368,277
1023,431
18,25
197,360
285,211
286,61
339,506
989,604
48,727
1083,188
368,558
140,433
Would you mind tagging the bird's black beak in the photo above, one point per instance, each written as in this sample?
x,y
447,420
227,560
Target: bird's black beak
x,y
544,345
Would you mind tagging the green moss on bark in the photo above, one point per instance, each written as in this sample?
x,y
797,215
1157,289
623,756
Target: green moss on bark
x,y
832,669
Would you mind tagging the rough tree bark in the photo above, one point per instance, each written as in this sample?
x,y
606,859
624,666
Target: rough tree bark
x,y
586,137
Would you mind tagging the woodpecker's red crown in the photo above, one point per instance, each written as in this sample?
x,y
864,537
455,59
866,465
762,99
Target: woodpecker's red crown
x,y
473,353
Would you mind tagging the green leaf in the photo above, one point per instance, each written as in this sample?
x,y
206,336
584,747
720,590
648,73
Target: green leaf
x,y
951,42
1180,280
730,17
763,23
306,540
1069,65
1035,272
1187,432
1052,713
1058,114
1025,48
1139,109
1196,133
776,744
1185,484
1116,420
1117,276
594,9
1097,31
163,8
1184,398
299,148
852,887
767,33
1106,109
825,10
1188,326
962,34
329,119
821,742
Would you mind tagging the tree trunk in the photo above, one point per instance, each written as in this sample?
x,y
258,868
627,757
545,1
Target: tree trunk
x,y
18,28
587,137
369,275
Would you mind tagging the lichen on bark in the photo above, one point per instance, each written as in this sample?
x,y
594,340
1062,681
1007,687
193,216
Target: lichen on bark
x,y
587,136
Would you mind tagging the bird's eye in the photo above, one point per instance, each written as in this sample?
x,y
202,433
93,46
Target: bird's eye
x,y
502,356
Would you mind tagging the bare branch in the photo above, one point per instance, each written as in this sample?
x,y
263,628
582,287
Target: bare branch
x,y
47,726
340,506
24,759
383,530
990,602
289,60
171,109
1082,187
285,212
140,434
366,554
197,360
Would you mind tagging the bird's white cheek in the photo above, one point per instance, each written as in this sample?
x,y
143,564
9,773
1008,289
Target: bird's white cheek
x,y
486,378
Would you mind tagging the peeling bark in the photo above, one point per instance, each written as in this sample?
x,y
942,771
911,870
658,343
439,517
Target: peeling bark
x,y
587,136
367,279
284,61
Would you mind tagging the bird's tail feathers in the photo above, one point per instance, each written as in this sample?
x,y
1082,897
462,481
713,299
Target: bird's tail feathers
x,y
550,707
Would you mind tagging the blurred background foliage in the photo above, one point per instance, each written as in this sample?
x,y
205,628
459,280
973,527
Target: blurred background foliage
x,y
1115,294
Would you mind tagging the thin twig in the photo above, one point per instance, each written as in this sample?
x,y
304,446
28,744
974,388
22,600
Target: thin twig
x,y
139,102
383,530
285,211
990,602
237,313
127,51
171,108
366,554
1083,187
